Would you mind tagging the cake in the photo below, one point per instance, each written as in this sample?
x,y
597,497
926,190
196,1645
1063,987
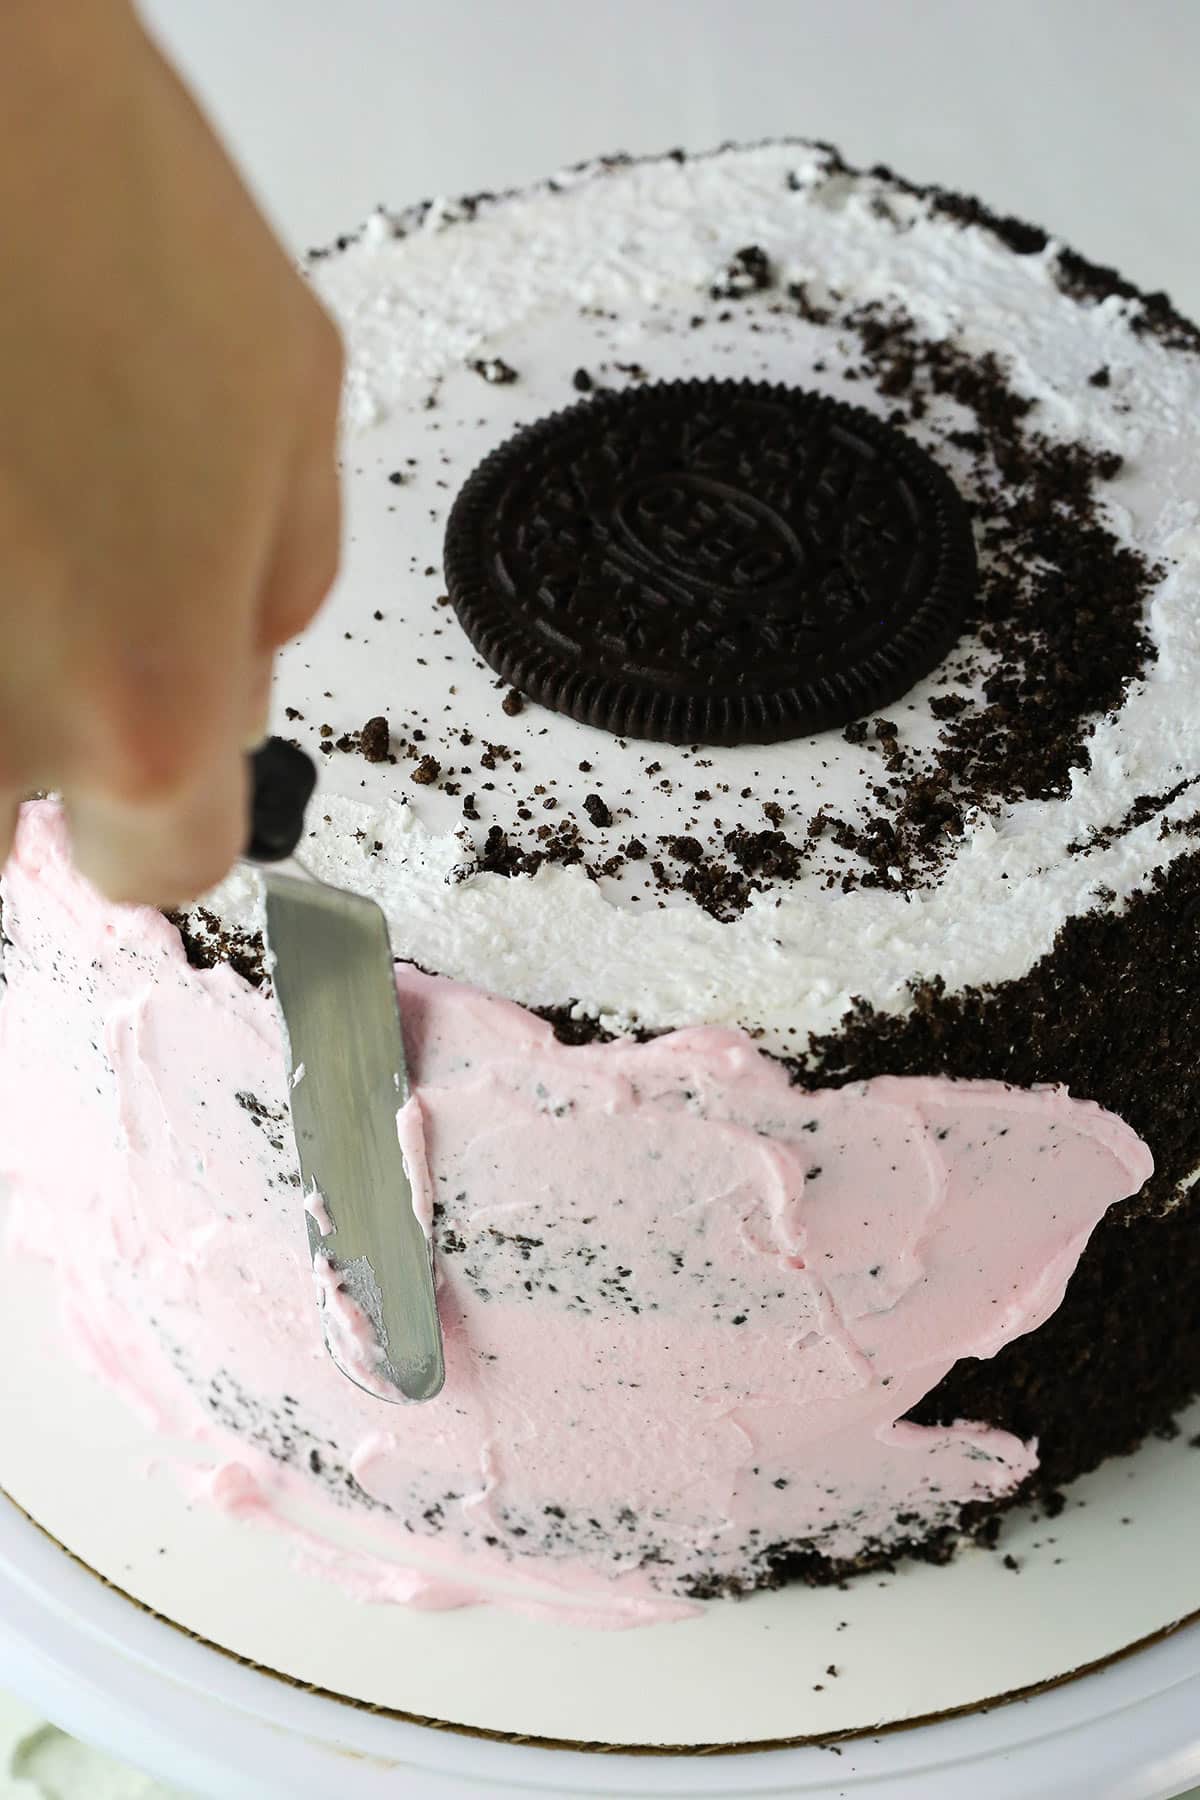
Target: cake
x,y
760,693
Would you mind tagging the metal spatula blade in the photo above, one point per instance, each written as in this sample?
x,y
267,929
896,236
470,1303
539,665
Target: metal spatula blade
x,y
335,987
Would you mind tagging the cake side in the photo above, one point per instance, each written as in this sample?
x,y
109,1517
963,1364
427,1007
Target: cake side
x,y
687,1302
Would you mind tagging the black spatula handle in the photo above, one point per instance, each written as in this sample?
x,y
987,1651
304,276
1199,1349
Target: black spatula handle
x,y
283,779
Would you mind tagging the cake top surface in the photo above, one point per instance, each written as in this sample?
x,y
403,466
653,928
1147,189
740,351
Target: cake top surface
x,y
1041,768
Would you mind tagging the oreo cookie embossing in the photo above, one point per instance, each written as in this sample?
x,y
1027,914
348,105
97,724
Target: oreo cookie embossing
x,y
711,562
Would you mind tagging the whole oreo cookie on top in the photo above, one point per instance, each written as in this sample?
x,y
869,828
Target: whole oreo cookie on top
x,y
715,562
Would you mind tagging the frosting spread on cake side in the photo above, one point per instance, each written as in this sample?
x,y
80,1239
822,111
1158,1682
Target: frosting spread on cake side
x,y
686,1304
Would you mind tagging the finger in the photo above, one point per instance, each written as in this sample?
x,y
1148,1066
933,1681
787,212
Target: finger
x,y
306,545
163,852
165,703
258,712
305,553
158,811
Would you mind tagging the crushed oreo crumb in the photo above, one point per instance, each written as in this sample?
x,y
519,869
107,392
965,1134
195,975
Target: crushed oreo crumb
x,y
375,739
207,942
748,271
495,370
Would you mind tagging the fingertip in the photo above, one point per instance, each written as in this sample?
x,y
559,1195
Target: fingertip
x,y
162,857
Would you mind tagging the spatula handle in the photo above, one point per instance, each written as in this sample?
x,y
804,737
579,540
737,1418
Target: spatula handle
x,y
283,778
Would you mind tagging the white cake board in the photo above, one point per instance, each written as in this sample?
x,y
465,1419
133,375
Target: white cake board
x,y
1117,1568
111,1673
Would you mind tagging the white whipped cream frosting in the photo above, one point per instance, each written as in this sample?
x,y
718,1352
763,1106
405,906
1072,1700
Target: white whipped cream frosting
x,y
606,266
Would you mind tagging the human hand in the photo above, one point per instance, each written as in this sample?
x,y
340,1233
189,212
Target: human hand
x,y
169,507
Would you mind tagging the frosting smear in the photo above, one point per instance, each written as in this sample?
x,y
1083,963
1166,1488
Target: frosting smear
x,y
687,1304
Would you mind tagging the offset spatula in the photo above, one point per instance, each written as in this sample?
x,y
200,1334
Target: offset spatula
x,y
331,963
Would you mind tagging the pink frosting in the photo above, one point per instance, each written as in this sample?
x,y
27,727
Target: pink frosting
x,y
687,1304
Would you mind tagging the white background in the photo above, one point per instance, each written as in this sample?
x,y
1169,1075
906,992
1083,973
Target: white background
x,y
1079,114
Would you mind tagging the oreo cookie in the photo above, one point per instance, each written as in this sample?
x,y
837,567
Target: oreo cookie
x,y
714,562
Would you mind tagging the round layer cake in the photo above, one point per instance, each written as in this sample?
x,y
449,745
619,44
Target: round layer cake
x,y
760,693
